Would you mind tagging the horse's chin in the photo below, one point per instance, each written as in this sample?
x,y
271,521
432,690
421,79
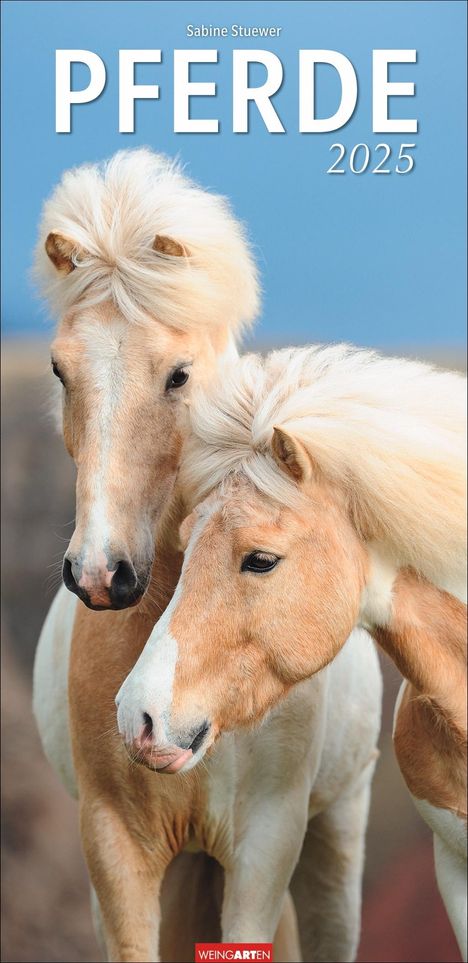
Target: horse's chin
x,y
149,759
112,607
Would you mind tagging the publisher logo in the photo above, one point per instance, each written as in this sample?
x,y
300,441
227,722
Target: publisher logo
x,y
210,952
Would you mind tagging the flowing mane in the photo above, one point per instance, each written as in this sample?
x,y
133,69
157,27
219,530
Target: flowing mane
x,y
113,211
389,432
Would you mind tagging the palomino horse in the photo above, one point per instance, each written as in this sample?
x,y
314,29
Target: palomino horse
x,y
248,807
153,281
330,493
136,313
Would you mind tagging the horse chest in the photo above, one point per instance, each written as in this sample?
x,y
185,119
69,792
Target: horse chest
x,y
248,775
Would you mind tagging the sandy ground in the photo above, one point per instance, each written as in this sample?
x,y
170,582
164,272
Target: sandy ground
x,y
45,894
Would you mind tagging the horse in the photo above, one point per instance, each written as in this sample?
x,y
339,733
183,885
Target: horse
x,y
153,281
327,487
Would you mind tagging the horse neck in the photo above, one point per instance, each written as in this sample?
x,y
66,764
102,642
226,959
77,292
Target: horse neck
x,y
168,556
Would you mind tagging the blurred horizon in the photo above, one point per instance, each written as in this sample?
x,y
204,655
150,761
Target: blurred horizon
x,y
452,356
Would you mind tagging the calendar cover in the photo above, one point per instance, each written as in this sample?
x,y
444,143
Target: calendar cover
x,y
183,184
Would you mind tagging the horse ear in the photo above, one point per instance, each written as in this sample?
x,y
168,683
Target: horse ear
x,y
291,456
61,249
167,245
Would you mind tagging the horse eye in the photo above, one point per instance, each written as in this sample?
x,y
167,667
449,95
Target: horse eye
x,y
177,378
56,371
259,562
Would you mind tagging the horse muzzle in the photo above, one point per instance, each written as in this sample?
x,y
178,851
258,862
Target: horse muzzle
x,y
104,584
145,747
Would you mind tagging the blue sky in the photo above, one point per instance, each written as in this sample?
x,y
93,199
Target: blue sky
x,y
371,259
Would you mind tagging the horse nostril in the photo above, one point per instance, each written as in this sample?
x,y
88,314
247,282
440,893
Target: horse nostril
x,y
197,741
124,587
67,575
67,572
147,726
124,574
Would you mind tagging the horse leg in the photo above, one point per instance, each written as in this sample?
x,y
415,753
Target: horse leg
x,y
126,879
286,944
256,883
327,885
450,869
196,881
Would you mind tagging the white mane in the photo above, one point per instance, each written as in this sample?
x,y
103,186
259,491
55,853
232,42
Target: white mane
x,y
113,211
389,432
